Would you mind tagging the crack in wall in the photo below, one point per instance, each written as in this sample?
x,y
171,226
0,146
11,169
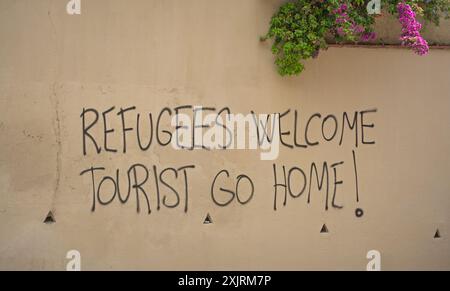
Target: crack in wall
x,y
57,131
49,14
54,101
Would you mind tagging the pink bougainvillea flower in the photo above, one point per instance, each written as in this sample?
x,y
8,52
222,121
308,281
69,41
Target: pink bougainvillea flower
x,y
367,36
346,27
411,30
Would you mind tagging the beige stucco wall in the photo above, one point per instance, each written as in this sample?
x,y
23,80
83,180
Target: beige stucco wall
x,y
153,54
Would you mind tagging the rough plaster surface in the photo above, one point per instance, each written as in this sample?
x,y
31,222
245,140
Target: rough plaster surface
x,y
153,54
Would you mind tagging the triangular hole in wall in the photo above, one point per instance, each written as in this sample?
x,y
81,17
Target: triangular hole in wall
x,y
208,219
49,218
324,229
437,234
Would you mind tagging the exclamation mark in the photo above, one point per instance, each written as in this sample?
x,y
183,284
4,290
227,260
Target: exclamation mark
x,y
358,212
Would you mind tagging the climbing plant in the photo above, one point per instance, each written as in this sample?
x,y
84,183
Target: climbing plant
x,y
300,27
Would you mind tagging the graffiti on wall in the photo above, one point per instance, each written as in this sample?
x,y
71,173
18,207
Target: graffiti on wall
x,y
198,128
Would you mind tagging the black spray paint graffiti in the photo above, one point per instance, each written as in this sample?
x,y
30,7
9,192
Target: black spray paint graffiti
x,y
294,133
324,176
153,188
137,177
232,194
